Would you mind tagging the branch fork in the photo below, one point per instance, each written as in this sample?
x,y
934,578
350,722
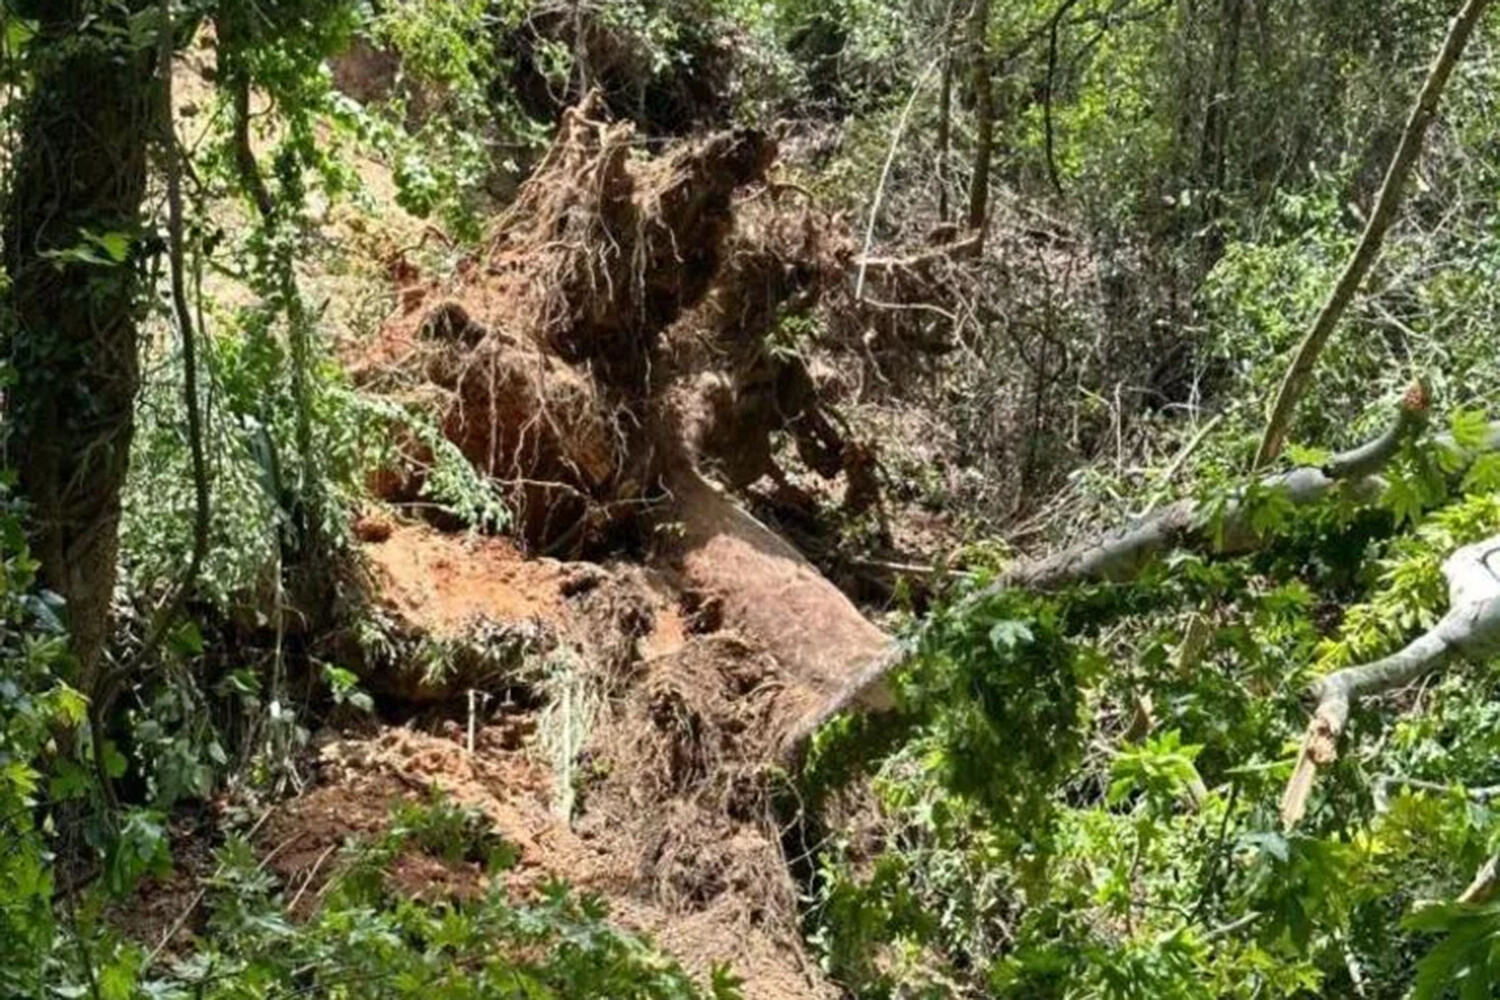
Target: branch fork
x,y
1470,630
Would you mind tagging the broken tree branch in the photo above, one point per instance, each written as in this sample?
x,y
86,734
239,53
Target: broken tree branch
x,y
885,174
1122,556
1125,554
1382,785
1486,881
1358,266
1470,630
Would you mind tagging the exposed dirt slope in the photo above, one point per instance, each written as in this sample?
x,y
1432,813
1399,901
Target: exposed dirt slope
x,y
628,759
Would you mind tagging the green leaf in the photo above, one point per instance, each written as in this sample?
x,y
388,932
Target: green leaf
x,y
115,763
115,245
1470,428
1484,475
1402,498
1007,635
18,32
724,984
21,777
187,639
117,980
101,250
69,780
1269,843
1309,456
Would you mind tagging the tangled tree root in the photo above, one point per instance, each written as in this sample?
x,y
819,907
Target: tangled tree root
x,y
617,337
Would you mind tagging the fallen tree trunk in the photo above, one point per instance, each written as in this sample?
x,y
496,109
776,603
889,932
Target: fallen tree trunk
x,y
767,588
1470,630
1124,554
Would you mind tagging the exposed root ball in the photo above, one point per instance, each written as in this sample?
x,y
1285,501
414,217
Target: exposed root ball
x,y
545,350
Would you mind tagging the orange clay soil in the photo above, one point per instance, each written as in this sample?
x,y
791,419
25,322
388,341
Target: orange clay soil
x,y
669,816
443,584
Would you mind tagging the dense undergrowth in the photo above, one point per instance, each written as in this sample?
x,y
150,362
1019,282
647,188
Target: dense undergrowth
x,y
1078,795
1084,803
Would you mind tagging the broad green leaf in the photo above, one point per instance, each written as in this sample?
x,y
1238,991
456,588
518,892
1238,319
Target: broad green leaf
x,y
1010,634
1470,428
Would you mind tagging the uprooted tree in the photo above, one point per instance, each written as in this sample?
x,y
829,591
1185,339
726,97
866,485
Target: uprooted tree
x,y
615,339
615,343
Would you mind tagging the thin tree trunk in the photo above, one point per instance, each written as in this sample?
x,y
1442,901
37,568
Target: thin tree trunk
x,y
984,117
945,115
1299,374
76,190
1053,29
1213,154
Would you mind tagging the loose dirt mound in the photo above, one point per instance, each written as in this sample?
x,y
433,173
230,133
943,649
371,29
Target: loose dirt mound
x,y
444,584
642,780
624,751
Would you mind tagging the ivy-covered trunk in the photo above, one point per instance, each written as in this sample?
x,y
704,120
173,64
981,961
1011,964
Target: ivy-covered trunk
x,y
73,240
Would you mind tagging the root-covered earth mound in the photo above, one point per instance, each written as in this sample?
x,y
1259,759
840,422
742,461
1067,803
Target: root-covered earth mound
x,y
615,361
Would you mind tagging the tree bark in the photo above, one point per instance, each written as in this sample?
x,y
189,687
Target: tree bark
x,y
1294,385
1213,156
945,115
984,117
74,241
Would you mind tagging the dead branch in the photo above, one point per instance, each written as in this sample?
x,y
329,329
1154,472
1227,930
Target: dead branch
x,y
885,174
965,247
1470,630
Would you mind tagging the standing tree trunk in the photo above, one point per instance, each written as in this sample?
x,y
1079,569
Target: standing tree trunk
x,y
945,114
73,235
1213,152
984,117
